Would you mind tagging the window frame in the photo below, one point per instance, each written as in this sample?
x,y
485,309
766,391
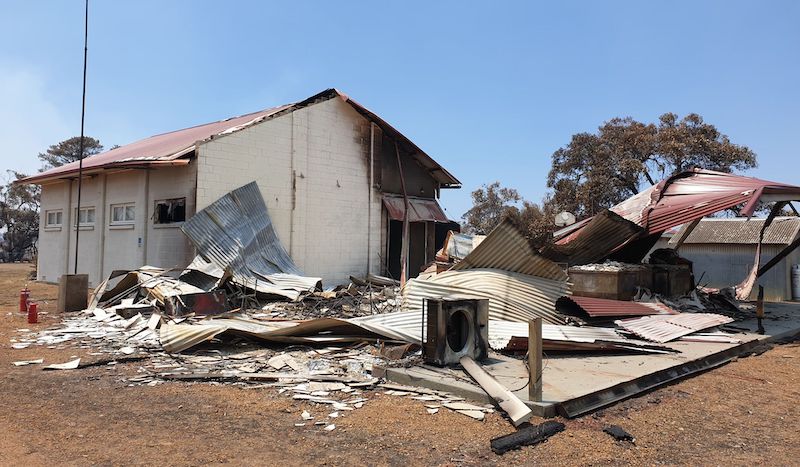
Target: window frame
x,y
157,222
85,209
60,216
124,207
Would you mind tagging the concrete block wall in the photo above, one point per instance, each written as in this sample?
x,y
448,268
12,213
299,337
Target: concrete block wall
x,y
167,246
312,167
53,241
104,246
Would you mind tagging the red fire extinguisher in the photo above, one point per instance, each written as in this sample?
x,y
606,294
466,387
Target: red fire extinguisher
x,y
33,313
24,296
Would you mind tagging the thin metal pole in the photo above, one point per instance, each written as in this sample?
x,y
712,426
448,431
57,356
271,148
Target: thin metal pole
x,y
80,145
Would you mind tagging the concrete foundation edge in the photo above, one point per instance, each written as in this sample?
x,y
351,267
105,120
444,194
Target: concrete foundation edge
x,y
590,402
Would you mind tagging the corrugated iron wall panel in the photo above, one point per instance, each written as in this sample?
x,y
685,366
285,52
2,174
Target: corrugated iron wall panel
x,y
512,296
507,248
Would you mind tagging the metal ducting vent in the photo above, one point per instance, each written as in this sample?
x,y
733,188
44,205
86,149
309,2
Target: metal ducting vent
x,y
454,329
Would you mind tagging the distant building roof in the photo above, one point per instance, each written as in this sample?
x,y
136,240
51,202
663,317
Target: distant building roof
x,y
741,231
174,148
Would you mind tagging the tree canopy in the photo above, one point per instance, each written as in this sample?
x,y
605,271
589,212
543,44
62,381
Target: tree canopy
x,y
493,203
19,218
490,203
68,151
597,170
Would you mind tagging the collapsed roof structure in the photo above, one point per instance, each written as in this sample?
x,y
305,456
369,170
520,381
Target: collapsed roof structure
x,y
627,231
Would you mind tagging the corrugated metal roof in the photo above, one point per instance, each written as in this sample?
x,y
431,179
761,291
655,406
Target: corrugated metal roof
x,y
512,296
599,307
163,147
507,248
420,209
235,234
742,231
664,328
166,148
604,232
683,198
696,193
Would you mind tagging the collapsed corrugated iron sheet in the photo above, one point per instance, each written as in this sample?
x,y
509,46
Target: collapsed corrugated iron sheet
x,y
512,296
235,234
507,248
663,328
402,326
600,307
603,233
682,198
420,209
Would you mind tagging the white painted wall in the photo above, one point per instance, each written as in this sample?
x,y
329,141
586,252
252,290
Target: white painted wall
x,y
167,246
323,150
311,165
105,247
52,259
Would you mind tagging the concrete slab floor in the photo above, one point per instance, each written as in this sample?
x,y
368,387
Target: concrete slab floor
x,y
577,383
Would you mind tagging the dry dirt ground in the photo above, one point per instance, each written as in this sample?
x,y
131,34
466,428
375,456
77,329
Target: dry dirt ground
x,y
743,413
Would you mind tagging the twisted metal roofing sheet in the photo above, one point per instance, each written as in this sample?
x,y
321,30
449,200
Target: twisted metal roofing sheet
x,y
235,234
604,232
512,296
664,328
599,307
401,326
507,248
682,198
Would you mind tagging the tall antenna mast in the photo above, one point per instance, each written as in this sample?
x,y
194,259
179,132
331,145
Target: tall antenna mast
x,y
81,144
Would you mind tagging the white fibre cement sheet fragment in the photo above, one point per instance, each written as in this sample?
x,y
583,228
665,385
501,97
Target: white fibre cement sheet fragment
x,y
70,365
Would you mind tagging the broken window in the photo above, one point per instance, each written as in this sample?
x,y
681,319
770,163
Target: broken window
x,y
53,218
85,216
169,211
123,213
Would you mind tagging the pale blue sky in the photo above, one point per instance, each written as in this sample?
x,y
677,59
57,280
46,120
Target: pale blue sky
x,y
489,90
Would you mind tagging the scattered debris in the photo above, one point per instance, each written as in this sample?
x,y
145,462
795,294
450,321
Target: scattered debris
x,y
526,436
70,365
28,362
517,411
619,434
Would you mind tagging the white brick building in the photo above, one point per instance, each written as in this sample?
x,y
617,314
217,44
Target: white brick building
x,y
326,166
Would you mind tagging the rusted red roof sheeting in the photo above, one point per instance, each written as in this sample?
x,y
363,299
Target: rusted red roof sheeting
x,y
599,307
691,195
163,147
420,209
180,143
